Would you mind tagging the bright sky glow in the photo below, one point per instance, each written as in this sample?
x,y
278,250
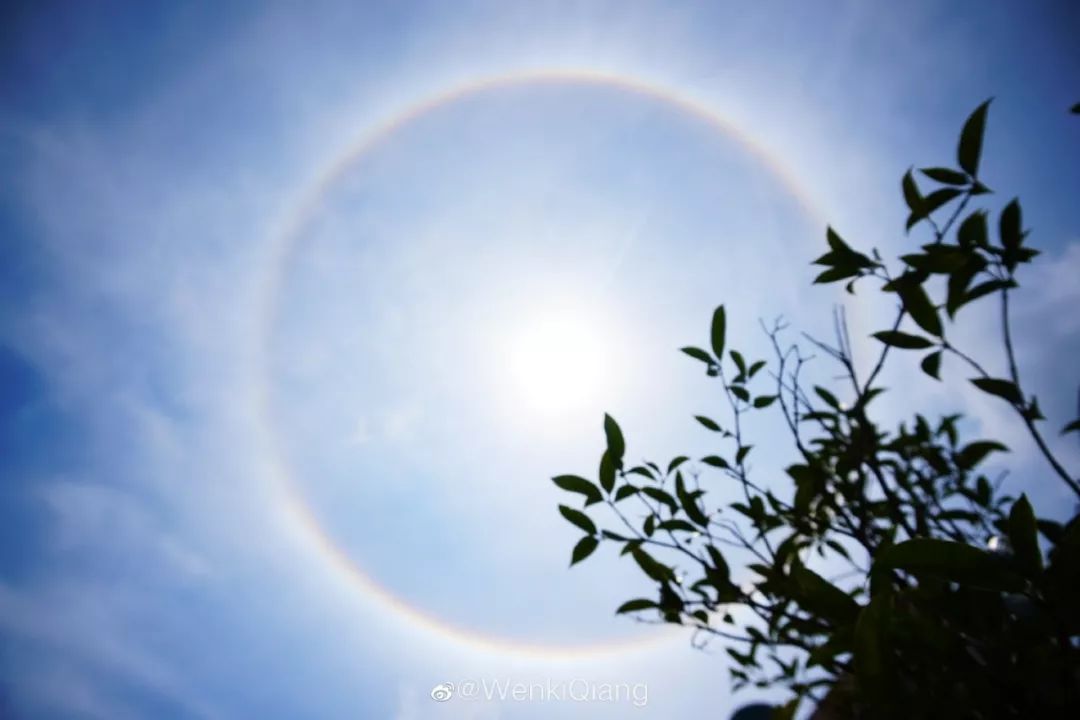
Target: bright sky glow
x,y
301,313
559,361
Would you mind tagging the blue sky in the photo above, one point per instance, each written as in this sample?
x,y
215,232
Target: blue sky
x,y
267,452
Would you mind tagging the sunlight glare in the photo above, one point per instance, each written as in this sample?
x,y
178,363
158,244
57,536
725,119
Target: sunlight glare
x,y
558,363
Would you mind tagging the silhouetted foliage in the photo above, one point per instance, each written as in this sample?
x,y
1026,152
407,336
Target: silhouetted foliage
x,y
942,600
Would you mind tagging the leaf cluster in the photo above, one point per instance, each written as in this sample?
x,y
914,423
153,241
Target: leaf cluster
x,y
885,573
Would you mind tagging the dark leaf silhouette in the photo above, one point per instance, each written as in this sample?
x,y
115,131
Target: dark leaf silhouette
x,y
578,518
583,549
903,340
573,483
616,445
698,354
932,597
951,561
1005,389
931,365
945,175
969,149
719,330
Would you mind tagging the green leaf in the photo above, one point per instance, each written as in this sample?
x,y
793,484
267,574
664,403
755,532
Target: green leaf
x,y
1064,570
941,259
836,243
902,340
676,524
838,549
583,549
1024,537
741,454
912,196
655,570
755,367
720,574
945,175
920,308
871,633
578,518
973,232
740,658
976,452
1051,530
963,515
818,416
671,605
616,445
821,597
719,328
607,471
828,397
971,137
958,283
715,461
635,606
950,561
916,261
740,363
936,199
699,354
689,503
764,401
931,365
786,711
573,483
708,423
1074,426
624,492
984,288
757,711
1004,389
1009,226
675,463
836,273
661,496
743,509
740,392
807,482
1033,412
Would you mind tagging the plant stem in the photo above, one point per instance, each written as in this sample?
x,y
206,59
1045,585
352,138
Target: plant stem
x,y
1028,420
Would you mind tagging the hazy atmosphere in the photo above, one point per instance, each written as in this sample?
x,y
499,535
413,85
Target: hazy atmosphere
x,y
304,305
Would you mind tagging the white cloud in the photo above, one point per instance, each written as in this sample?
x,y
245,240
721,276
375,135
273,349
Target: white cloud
x,y
78,628
96,521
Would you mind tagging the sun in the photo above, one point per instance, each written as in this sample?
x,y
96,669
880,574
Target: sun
x,y
559,362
